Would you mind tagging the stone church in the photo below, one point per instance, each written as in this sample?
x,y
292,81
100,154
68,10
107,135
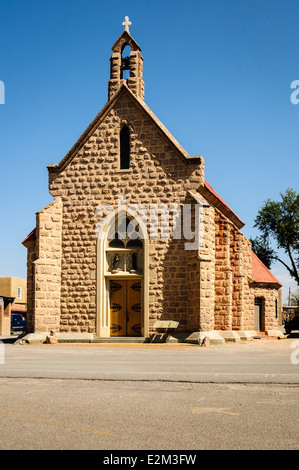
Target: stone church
x,y
97,268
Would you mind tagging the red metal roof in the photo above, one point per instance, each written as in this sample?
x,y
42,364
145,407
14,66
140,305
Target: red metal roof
x,y
261,273
31,236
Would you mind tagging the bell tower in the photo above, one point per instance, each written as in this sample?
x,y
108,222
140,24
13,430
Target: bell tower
x,y
125,68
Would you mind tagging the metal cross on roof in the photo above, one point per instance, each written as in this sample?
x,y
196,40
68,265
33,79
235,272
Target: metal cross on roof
x,y
126,24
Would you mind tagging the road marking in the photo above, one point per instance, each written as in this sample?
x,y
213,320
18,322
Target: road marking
x,y
56,423
201,411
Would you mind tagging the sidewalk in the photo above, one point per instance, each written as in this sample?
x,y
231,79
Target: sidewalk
x,y
264,341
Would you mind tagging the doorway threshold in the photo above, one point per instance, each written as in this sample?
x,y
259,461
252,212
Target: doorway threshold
x,y
120,339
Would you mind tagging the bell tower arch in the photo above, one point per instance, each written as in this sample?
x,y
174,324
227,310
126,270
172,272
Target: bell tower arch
x,y
132,64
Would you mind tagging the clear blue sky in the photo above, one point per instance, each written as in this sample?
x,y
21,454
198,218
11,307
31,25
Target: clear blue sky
x,y
217,74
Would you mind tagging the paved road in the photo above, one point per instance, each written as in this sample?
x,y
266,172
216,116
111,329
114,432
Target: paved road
x,y
149,398
261,361
76,414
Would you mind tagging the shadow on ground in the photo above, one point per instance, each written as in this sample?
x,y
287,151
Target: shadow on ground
x,y
12,338
294,334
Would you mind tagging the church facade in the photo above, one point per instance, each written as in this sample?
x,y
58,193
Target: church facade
x,y
135,233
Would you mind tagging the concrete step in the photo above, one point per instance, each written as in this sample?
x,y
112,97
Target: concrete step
x,y
120,339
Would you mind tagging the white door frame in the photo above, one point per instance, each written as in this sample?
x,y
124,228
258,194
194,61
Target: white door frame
x,y
103,278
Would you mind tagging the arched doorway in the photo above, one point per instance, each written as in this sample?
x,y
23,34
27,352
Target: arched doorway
x,y
122,279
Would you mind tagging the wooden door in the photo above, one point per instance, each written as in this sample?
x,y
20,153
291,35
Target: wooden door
x,y
258,313
134,308
118,308
125,308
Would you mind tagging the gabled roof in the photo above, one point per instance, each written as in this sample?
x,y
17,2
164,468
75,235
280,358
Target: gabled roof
x,y
101,116
261,274
215,200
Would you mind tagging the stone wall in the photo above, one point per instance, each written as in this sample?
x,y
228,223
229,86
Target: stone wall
x,y
248,310
47,268
31,257
201,273
223,273
234,288
236,262
270,310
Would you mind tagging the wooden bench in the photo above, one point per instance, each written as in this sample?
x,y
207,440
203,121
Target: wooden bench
x,y
164,327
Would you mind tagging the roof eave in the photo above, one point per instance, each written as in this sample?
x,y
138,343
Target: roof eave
x,y
269,285
216,202
30,238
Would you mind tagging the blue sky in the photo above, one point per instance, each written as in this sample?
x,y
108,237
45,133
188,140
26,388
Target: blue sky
x,y
217,74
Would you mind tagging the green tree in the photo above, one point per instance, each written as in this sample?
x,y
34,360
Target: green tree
x,y
279,221
263,250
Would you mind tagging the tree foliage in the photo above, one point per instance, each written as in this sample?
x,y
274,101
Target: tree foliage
x,y
279,221
263,250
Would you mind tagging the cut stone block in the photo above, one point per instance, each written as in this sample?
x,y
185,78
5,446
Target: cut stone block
x,y
230,336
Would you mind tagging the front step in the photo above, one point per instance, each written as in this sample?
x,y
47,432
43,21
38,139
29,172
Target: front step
x,y
120,339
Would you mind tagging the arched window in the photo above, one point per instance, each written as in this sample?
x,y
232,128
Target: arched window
x,y
135,244
124,254
125,70
125,148
116,243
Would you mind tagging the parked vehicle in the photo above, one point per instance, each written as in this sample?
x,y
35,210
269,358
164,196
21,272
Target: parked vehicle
x,y
18,323
291,325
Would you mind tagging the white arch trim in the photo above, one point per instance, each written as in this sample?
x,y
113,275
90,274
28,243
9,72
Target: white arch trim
x,y
107,230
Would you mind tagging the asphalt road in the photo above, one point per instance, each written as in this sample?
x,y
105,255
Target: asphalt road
x,y
150,398
259,361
